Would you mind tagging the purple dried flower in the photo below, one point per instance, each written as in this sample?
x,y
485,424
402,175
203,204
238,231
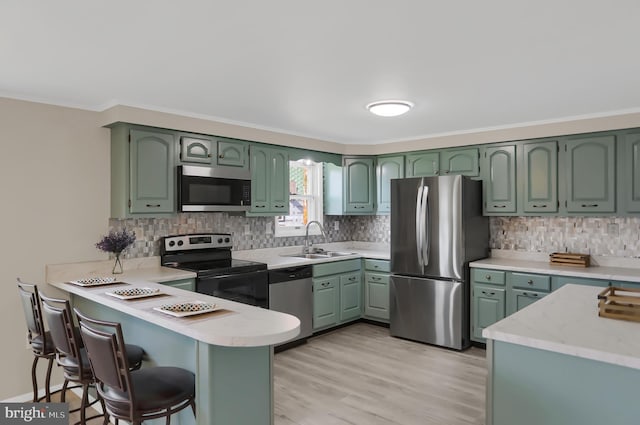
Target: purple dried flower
x,y
116,241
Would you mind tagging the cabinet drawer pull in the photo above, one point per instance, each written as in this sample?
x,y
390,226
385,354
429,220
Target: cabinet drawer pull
x,y
260,206
153,205
539,206
209,156
499,206
488,277
352,278
526,294
221,156
530,282
589,205
375,278
491,294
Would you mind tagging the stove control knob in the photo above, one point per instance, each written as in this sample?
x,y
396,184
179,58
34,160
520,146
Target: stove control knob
x,y
172,243
220,240
180,243
227,240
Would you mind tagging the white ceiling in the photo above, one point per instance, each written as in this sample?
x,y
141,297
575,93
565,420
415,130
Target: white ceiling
x,y
309,68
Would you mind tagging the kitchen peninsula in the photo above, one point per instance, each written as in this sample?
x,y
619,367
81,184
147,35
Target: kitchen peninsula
x,y
558,362
230,351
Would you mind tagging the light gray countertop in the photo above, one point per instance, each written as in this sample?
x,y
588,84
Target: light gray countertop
x,y
567,322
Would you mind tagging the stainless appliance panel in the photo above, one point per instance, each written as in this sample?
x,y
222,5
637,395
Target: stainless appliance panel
x,y
406,242
429,310
291,292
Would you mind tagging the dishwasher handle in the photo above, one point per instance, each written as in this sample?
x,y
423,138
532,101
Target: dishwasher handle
x,y
290,273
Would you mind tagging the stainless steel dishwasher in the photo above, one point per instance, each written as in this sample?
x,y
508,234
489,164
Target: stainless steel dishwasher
x,y
291,292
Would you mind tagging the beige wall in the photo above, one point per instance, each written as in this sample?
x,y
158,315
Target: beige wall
x,y
54,180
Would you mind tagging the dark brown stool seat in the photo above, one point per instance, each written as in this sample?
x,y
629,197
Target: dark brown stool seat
x,y
40,340
134,396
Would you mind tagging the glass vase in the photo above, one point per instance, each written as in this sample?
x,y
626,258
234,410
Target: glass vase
x,y
117,265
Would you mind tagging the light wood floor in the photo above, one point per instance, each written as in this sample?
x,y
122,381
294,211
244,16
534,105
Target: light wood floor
x,y
359,375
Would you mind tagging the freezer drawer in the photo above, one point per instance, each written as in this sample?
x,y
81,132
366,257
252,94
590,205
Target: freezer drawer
x,y
430,311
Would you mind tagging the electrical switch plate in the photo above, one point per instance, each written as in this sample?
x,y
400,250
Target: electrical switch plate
x,y
269,229
247,229
336,225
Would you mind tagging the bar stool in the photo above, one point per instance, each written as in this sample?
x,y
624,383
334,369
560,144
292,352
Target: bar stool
x,y
138,395
70,353
39,339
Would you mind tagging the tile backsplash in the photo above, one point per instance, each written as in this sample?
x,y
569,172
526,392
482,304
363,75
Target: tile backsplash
x,y
601,236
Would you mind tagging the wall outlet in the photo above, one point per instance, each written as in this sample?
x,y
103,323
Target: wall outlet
x,y
247,229
269,229
336,225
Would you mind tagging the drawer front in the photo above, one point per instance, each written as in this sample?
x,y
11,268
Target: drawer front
x,y
377,278
377,265
492,277
319,284
335,267
531,281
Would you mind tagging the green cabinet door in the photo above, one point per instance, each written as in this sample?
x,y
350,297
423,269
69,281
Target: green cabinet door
x,y
540,177
488,308
499,180
350,296
359,185
461,161
389,167
196,149
423,164
279,182
152,172
326,297
630,168
521,298
589,164
332,182
269,181
376,295
233,153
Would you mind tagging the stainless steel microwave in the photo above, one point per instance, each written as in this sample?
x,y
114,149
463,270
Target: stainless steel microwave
x,y
210,189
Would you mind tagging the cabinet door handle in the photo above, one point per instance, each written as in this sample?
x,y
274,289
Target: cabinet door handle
x,y
499,206
491,294
352,278
209,156
153,205
530,295
221,156
539,206
589,205
488,277
375,278
530,282
260,206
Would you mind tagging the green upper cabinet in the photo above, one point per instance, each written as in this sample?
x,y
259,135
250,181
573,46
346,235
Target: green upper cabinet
x,y
269,181
589,164
196,149
359,185
332,189
629,181
388,167
142,172
499,180
232,153
423,164
540,177
461,161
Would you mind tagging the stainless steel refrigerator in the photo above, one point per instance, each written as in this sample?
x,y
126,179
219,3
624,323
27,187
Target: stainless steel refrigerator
x,y
437,228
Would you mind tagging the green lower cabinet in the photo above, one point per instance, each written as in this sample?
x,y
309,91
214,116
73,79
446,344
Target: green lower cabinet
x,y
186,284
519,299
488,308
376,296
326,302
350,296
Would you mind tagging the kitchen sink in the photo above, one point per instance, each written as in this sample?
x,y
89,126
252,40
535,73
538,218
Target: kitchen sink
x,y
322,255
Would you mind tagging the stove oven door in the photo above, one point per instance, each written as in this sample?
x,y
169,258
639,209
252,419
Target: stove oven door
x,y
247,288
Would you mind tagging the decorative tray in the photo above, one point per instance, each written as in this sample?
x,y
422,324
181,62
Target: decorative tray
x,y
133,293
95,281
619,303
187,308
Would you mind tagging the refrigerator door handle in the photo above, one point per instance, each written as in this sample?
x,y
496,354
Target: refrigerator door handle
x,y
419,227
425,226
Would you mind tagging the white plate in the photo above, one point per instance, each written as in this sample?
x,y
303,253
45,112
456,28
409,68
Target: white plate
x,y
188,308
95,281
133,293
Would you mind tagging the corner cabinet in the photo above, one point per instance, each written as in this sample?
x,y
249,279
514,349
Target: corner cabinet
x,y
269,181
388,167
142,172
359,185
589,168
499,179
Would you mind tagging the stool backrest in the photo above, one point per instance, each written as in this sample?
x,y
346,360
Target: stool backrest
x,y
105,347
59,317
31,305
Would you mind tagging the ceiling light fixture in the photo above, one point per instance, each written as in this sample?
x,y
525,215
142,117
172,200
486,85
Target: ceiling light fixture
x,y
389,108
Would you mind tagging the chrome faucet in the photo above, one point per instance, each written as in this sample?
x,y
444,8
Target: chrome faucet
x,y
307,244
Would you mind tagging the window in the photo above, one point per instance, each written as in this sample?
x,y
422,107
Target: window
x,y
305,199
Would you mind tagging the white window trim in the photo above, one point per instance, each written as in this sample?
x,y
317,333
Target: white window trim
x,y
281,232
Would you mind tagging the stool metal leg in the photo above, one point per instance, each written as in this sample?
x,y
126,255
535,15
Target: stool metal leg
x,y
34,378
47,381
